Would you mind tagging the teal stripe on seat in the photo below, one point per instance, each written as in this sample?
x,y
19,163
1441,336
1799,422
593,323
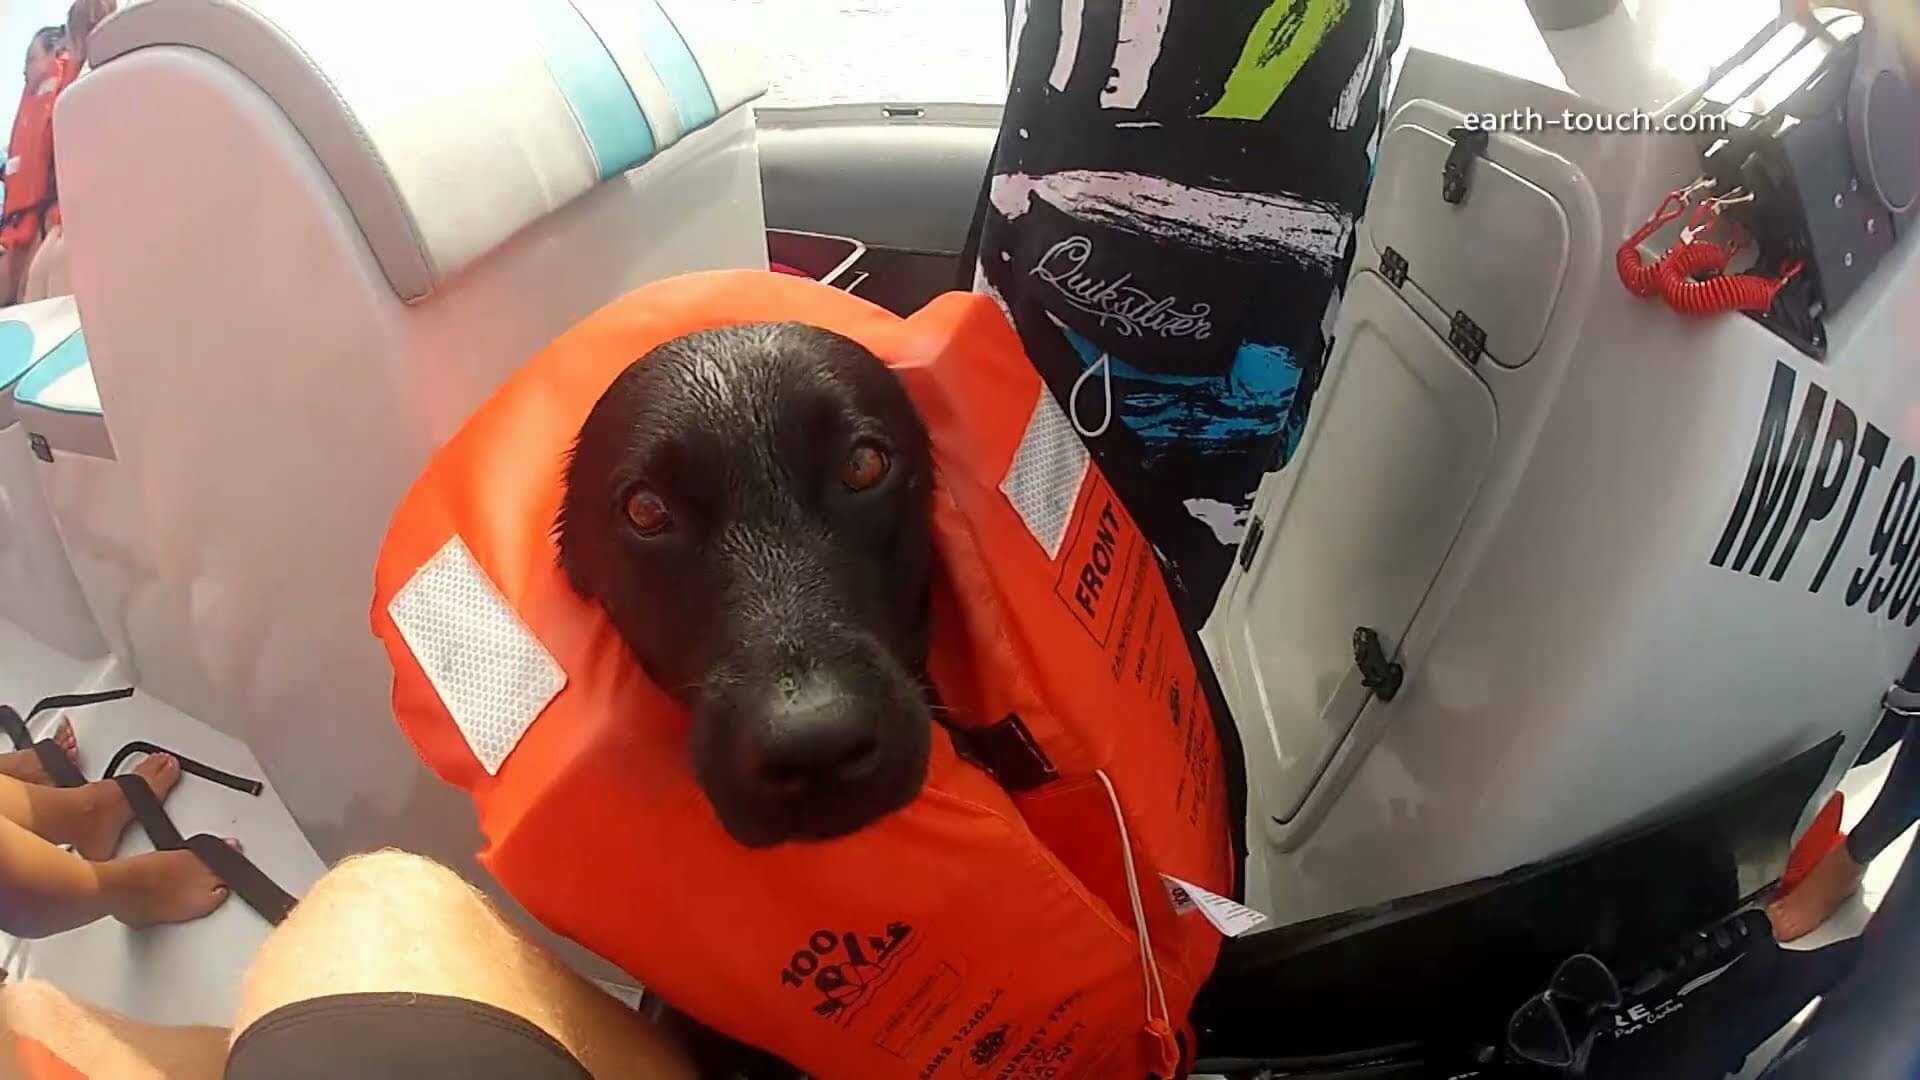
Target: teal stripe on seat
x,y
678,69
66,357
616,129
16,351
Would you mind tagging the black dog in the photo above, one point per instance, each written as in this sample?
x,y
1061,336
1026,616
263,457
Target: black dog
x,y
751,508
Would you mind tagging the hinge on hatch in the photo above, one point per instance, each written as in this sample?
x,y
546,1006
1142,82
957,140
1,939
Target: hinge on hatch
x,y
1255,531
1393,267
1456,179
1467,338
1377,673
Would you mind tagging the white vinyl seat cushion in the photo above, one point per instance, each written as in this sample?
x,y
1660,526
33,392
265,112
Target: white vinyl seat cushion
x,y
310,237
448,127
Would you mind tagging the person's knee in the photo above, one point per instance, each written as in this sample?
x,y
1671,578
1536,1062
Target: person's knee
x,y
374,899
391,872
384,921
31,999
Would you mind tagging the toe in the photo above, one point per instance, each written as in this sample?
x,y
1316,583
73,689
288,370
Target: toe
x,y
160,771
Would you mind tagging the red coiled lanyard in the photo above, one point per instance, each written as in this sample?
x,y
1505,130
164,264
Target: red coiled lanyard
x,y
1691,277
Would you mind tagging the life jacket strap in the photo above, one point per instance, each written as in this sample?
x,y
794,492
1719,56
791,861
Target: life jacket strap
x,y
1008,752
1160,1024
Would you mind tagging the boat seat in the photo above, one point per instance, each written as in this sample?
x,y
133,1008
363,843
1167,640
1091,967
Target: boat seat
x,y
309,239
38,592
441,157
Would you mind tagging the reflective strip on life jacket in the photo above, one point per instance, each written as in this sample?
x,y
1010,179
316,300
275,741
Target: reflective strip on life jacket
x,y
1014,930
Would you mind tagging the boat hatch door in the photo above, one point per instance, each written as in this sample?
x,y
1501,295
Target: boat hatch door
x,y
1505,240
1351,536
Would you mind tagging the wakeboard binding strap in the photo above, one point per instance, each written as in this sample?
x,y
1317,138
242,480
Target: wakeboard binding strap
x,y
235,870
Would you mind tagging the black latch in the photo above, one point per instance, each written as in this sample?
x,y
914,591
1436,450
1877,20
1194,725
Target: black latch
x,y
1377,673
1393,267
1467,338
1457,178
1255,530
1007,751
41,449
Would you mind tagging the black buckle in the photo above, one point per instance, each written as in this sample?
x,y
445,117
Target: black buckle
x,y
1457,178
1008,752
1377,673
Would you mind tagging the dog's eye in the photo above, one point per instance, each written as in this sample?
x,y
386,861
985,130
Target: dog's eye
x,y
648,512
864,468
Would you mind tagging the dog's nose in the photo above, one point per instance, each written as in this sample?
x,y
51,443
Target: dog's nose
x,y
816,734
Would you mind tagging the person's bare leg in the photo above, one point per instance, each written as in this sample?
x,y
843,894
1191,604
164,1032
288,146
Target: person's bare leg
x,y
43,266
1831,882
397,923
13,265
17,261
59,279
1837,877
44,890
100,1043
92,816
24,765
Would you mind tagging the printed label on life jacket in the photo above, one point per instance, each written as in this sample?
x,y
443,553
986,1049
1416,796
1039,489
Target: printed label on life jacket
x,y
840,972
911,1004
1050,1050
989,1045
1102,567
1195,786
1106,579
914,1005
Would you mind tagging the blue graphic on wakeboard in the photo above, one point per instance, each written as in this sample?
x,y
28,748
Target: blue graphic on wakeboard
x,y
1213,414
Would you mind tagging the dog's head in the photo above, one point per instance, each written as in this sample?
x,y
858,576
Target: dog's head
x,y
750,506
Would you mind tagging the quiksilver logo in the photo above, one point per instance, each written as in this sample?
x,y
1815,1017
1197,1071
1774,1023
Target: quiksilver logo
x,y
1117,302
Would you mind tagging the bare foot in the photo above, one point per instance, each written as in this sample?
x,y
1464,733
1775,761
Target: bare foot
x,y
1828,885
161,887
108,812
24,765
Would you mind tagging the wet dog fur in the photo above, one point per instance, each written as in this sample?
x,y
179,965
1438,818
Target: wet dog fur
x,y
750,506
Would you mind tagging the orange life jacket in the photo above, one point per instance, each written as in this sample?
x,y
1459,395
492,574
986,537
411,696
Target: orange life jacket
x,y
33,1061
66,70
993,927
29,170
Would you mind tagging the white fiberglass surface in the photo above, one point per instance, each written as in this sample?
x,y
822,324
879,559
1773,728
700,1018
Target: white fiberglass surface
x,y
29,670
1642,54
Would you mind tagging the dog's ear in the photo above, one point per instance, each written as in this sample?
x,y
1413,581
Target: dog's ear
x,y
569,522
